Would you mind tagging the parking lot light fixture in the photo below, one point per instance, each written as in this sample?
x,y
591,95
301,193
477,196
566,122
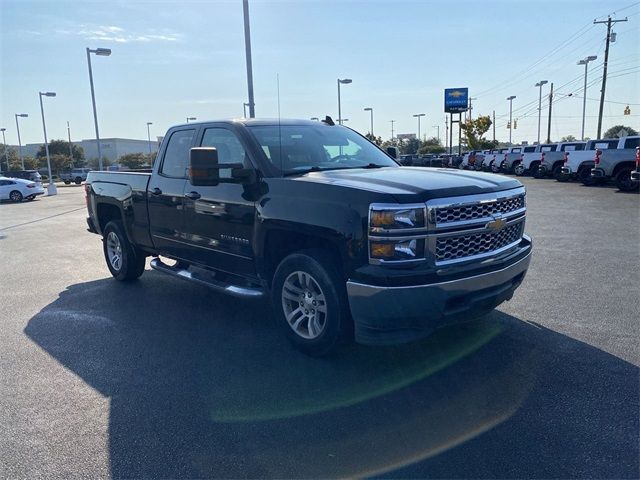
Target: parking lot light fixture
x,y
370,110
51,188
585,62
540,84
343,81
103,52
4,144
510,115
418,115
20,115
191,119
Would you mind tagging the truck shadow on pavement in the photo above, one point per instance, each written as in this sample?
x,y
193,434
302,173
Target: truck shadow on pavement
x,y
202,385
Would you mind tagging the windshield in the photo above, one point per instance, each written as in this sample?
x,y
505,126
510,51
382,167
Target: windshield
x,y
303,148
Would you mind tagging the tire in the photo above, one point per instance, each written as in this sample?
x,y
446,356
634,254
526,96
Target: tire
x,y
584,174
537,173
624,182
130,261
557,172
300,280
67,182
78,181
519,170
15,196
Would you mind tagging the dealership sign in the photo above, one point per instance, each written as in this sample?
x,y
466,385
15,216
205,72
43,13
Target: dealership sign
x,y
456,100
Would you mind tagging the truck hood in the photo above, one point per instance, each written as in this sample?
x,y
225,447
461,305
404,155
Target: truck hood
x,y
413,184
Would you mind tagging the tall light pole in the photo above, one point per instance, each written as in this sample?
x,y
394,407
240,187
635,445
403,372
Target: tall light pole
x,y
540,84
510,115
51,188
103,52
344,81
4,144
370,110
191,118
392,122
438,127
18,115
244,110
149,135
471,107
418,115
585,62
247,48
70,144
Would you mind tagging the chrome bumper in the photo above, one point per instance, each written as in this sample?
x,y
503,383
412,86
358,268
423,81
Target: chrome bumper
x,y
390,315
597,172
635,176
566,171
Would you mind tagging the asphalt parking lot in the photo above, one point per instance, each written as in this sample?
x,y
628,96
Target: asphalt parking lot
x,y
161,378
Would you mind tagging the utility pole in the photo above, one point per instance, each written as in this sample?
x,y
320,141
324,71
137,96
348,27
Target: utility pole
x,y
609,22
494,125
247,47
549,124
392,122
510,115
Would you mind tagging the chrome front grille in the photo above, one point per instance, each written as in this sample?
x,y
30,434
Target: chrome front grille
x,y
471,245
457,213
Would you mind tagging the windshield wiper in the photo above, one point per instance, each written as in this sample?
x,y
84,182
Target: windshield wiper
x,y
373,165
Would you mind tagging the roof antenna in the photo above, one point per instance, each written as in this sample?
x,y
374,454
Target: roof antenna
x,y
328,120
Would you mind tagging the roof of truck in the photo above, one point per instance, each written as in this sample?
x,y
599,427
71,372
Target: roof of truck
x,y
259,121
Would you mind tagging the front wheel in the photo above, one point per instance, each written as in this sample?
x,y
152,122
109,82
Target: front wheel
x,y
67,182
557,173
124,260
584,174
310,302
624,182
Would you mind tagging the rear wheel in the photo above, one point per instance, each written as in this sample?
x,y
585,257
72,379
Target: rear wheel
x,y
125,261
624,182
78,181
67,182
584,174
537,173
557,172
15,196
519,169
310,302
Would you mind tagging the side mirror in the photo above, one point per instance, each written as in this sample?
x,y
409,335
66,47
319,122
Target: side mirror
x,y
203,166
392,152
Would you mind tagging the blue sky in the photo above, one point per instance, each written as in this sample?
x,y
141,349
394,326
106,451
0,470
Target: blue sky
x,y
176,59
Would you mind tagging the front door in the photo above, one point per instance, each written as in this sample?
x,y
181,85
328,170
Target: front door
x,y
166,195
219,220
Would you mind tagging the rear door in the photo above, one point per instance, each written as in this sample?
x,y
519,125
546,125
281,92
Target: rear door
x,y
219,219
165,194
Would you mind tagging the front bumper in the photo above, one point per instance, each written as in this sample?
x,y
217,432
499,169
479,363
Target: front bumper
x,y
597,172
635,175
566,171
390,315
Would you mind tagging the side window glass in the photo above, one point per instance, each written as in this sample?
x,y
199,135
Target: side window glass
x,y
632,143
176,157
230,150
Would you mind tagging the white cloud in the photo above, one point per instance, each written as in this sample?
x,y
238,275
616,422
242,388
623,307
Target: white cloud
x,y
112,33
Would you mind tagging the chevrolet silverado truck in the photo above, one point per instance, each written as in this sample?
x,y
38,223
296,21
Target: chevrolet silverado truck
x,y
551,162
618,164
343,240
513,155
578,164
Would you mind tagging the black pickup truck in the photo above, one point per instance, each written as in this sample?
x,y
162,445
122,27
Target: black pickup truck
x,y
342,239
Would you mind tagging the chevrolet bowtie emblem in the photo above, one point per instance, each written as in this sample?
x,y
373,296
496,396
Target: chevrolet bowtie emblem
x,y
496,225
456,94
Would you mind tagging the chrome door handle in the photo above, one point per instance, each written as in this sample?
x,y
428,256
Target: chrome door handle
x,y
192,195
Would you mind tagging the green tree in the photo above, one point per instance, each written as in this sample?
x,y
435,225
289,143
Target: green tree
x,y
410,146
614,132
431,145
30,163
133,160
374,139
61,147
568,138
94,164
11,157
474,129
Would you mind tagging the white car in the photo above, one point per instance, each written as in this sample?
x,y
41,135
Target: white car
x,y
17,189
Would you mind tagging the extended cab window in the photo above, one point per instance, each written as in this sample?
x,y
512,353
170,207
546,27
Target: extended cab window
x,y
176,157
230,150
632,143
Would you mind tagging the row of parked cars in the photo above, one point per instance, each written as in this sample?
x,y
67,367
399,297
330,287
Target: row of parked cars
x,y
591,162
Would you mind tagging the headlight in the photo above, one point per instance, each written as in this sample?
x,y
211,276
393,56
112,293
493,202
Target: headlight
x,y
381,219
397,250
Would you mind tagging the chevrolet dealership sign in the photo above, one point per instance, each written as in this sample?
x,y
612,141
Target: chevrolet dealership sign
x,y
456,100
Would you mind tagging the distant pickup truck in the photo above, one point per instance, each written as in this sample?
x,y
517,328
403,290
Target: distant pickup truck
x,y
618,163
551,162
313,215
578,164
76,175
